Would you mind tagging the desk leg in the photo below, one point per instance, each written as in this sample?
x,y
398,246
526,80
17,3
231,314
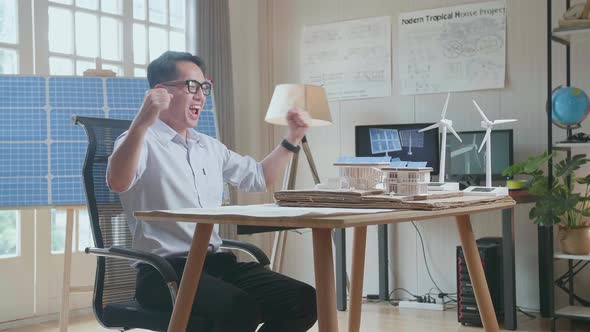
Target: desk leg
x,y
478,278
324,279
340,245
509,276
190,278
356,287
546,296
383,262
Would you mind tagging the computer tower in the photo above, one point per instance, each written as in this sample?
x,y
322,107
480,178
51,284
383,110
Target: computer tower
x,y
490,251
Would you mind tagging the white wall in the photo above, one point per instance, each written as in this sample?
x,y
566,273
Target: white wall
x,y
523,98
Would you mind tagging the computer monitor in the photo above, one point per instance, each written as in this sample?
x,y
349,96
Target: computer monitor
x,y
401,142
465,164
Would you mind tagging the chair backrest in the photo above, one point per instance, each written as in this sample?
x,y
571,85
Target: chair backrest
x,y
115,278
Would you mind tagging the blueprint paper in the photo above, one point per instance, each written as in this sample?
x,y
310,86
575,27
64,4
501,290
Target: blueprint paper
x,y
459,48
350,59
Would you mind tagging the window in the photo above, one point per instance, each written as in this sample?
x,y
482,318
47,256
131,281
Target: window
x,y
82,34
8,37
9,234
82,231
158,25
58,231
71,36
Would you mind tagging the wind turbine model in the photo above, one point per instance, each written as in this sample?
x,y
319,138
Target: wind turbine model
x,y
444,124
487,140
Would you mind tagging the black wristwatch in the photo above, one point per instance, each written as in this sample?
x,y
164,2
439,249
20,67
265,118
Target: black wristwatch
x,y
290,147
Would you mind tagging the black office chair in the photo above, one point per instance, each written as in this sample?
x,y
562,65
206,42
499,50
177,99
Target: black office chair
x,y
114,304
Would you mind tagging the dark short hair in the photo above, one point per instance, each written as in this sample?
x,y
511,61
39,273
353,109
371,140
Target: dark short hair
x,y
164,67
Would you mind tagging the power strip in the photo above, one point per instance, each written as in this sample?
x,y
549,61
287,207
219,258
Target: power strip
x,y
421,305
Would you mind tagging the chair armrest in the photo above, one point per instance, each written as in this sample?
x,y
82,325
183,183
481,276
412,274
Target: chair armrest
x,y
249,248
158,262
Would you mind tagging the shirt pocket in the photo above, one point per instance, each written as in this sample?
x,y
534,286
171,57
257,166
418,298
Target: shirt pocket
x,y
212,185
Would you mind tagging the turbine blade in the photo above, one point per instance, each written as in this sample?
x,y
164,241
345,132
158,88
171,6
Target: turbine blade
x,y
461,151
444,111
429,127
485,139
455,133
504,121
483,116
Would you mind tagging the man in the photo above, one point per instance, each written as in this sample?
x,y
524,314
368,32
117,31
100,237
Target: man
x,y
161,162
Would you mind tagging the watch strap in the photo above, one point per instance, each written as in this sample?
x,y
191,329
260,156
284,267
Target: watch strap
x,y
289,146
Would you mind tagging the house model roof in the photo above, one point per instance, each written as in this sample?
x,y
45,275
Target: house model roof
x,y
407,169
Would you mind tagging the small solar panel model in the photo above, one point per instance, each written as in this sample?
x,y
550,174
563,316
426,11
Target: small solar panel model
x,y
401,142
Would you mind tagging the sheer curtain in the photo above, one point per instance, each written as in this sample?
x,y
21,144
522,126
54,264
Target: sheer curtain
x,y
214,46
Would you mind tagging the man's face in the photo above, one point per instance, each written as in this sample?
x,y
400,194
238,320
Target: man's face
x,y
185,107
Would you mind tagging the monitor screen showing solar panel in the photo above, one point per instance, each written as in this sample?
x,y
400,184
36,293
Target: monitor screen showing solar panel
x,y
402,142
384,140
465,164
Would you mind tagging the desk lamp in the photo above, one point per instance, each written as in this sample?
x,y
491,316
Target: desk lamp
x,y
311,98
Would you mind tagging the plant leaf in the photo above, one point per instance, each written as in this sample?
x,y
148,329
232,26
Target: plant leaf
x,y
567,167
585,212
584,180
539,186
529,167
544,213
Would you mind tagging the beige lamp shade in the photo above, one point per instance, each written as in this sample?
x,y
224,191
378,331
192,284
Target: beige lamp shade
x,y
311,98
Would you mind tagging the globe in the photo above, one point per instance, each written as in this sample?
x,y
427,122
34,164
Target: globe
x,y
570,106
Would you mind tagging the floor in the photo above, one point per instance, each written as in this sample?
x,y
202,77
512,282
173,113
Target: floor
x,y
376,317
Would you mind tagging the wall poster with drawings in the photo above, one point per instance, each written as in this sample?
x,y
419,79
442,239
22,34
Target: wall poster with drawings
x,y
460,48
350,59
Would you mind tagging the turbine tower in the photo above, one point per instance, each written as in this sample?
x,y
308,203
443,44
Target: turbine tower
x,y
444,124
487,140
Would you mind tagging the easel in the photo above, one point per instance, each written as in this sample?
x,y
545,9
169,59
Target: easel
x,y
280,239
67,289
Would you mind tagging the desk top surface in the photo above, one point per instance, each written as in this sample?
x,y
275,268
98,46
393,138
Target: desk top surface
x,y
335,220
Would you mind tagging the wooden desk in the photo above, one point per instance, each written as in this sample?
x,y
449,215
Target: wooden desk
x,y
323,261
508,261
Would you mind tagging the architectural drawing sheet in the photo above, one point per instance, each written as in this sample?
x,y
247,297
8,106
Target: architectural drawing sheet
x,y
350,59
458,48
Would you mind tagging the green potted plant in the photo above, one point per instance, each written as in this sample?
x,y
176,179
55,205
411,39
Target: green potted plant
x,y
559,204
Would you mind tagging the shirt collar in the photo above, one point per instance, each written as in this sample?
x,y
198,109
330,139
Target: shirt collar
x,y
166,134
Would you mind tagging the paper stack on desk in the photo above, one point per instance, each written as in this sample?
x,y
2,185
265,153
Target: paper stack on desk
x,y
375,199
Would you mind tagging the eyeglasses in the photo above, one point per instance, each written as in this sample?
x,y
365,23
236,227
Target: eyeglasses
x,y
192,86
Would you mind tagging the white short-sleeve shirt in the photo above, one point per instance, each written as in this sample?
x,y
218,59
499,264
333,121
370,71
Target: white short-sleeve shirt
x,y
173,173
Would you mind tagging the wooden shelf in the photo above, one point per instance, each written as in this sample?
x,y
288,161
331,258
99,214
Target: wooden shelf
x,y
574,312
561,255
567,35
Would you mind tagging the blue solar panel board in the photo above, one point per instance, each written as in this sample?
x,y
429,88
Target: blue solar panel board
x,y
384,140
42,153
